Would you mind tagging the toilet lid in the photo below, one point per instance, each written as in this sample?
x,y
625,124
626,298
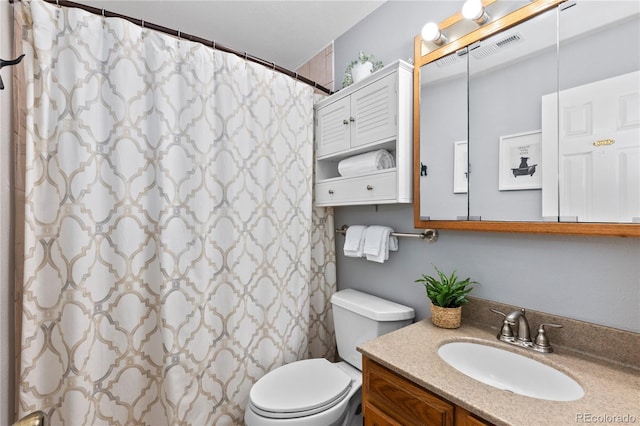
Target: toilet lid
x,y
300,388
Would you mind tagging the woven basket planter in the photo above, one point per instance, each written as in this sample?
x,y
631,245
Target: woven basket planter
x,y
446,317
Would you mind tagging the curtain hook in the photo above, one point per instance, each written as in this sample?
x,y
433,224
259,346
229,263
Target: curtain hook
x,y
58,3
245,55
213,44
103,12
274,65
142,23
179,34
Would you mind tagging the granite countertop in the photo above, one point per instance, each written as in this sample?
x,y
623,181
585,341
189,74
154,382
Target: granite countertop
x,y
611,389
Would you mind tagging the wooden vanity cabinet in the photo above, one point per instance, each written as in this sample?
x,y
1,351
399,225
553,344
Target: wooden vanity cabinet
x,y
465,418
391,400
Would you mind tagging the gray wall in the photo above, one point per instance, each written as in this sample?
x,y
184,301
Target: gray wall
x,y
595,279
388,32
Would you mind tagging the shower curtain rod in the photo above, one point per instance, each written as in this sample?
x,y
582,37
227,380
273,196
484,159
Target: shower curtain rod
x,y
190,37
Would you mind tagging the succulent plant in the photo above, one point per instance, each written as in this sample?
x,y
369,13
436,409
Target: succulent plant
x,y
446,291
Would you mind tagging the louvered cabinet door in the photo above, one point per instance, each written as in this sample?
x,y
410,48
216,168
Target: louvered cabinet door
x,y
333,127
374,111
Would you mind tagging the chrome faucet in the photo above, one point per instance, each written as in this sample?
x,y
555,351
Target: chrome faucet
x,y
524,333
523,336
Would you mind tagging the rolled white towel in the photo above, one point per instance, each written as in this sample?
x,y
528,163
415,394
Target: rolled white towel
x,y
366,163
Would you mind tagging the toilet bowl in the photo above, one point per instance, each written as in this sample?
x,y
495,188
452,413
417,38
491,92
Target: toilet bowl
x,y
316,392
312,392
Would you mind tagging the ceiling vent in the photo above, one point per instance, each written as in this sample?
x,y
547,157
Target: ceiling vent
x,y
452,59
508,41
448,60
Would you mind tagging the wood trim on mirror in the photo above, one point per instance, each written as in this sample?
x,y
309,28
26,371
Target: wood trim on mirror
x,y
524,13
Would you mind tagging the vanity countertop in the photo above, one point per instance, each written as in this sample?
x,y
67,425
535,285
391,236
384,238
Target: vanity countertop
x,y
612,391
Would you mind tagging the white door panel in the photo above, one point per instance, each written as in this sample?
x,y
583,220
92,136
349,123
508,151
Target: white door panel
x,y
598,150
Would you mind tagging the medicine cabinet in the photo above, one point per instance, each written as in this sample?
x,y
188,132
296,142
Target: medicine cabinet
x,y
531,122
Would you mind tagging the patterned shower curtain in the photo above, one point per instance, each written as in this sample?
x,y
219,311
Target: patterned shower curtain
x,y
172,254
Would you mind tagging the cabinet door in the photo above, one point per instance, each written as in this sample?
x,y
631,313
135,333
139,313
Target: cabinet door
x,y
332,127
374,111
399,400
376,417
465,418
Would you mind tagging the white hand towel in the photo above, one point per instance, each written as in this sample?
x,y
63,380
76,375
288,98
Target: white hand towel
x,y
377,243
354,241
393,243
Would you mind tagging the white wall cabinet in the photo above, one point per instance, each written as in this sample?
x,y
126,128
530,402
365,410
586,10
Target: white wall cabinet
x,y
373,114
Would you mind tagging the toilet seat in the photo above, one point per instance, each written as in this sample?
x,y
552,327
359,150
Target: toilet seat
x,y
299,389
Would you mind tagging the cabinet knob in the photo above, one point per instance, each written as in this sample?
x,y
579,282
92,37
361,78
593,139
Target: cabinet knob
x,y
369,188
352,119
345,122
331,191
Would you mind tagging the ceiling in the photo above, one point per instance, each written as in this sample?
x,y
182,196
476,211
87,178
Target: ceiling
x,y
288,32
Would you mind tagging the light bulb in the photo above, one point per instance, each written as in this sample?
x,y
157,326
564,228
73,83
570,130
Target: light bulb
x,y
474,11
431,32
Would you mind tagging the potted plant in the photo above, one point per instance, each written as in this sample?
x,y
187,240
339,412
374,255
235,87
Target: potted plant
x,y
360,68
447,295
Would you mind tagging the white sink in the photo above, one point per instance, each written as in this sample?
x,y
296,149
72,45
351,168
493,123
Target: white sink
x,y
510,371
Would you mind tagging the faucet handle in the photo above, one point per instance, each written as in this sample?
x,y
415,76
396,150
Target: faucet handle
x,y
541,342
498,312
506,333
550,324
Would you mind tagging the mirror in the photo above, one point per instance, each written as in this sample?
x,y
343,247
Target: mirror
x,y
509,73
528,163
444,138
592,125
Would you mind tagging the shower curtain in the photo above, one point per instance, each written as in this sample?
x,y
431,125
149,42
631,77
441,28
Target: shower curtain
x,y
172,253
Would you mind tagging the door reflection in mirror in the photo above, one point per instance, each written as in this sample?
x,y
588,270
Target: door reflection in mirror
x,y
591,131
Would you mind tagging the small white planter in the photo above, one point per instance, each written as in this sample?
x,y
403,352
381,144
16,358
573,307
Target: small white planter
x,y
361,70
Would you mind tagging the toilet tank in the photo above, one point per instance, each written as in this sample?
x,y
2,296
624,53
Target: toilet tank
x,y
359,317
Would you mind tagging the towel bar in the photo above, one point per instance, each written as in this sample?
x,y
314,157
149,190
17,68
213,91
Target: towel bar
x,y
430,235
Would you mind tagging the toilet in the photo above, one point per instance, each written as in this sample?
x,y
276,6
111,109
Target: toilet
x,y
316,392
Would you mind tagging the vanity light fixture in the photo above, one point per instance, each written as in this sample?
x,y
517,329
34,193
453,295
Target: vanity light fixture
x,y
431,32
474,11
